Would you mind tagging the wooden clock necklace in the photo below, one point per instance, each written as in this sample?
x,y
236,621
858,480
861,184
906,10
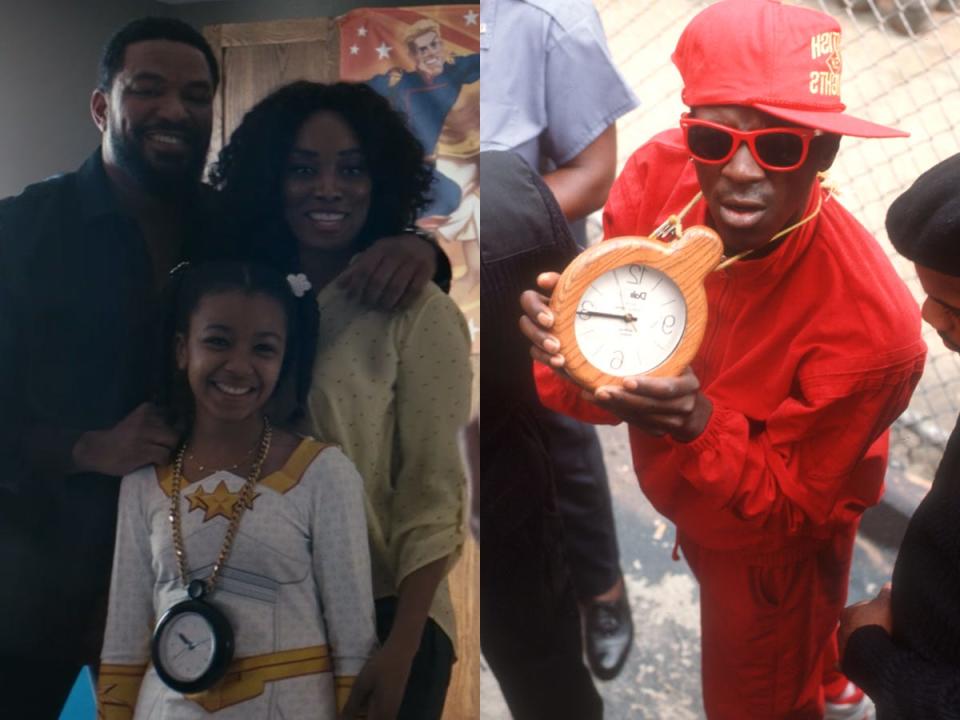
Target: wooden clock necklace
x,y
193,640
636,305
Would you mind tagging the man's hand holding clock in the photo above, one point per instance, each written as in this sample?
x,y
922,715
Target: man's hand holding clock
x,y
656,405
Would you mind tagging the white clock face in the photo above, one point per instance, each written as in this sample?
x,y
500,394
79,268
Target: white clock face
x,y
187,646
630,320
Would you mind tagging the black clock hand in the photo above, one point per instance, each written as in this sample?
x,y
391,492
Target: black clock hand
x,y
591,313
188,648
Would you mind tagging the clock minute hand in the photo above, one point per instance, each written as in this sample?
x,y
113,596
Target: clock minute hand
x,y
592,313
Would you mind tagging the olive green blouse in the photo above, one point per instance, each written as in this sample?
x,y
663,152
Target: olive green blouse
x,y
393,390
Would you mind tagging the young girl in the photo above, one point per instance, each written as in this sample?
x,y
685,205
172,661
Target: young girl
x,y
311,177
241,575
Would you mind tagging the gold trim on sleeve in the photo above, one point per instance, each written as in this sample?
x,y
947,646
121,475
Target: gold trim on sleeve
x,y
344,686
117,689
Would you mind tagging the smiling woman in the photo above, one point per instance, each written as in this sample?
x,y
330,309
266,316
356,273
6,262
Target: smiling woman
x,y
311,176
327,186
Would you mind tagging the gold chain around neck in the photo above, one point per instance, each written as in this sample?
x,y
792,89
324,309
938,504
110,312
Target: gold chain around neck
x,y
246,495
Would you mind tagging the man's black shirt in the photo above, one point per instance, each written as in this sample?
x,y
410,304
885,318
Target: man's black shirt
x,y
78,352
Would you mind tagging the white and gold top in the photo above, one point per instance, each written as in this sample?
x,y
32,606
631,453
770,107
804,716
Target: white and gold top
x,y
295,588
393,390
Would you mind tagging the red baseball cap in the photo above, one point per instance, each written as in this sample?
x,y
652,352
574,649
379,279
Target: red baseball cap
x,y
781,59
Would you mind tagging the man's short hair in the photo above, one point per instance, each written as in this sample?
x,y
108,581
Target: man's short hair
x,y
152,28
420,27
924,222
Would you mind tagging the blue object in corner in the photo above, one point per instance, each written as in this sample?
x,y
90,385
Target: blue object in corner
x,y
81,704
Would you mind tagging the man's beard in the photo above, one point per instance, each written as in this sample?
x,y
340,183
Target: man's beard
x,y
164,182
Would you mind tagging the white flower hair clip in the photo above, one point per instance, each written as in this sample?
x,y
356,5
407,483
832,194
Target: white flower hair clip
x,y
299,284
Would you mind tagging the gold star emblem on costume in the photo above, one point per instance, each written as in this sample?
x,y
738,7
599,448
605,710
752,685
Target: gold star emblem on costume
x,y
220,502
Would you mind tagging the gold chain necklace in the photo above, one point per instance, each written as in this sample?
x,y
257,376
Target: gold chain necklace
x,y
245,496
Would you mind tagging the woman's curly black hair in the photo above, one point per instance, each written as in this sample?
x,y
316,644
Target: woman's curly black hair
x,y
250,169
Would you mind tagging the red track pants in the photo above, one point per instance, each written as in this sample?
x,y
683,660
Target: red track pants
x,y
768,625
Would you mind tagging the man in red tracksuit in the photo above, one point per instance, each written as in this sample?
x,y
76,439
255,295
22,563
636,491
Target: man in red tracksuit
x,y
767,449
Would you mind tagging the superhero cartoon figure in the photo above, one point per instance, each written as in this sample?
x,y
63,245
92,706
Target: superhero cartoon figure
x,y
426,96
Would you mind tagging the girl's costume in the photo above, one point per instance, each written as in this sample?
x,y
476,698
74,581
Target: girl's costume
x,y
295,587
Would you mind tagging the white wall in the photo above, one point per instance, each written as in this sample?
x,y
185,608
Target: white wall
x,y
49,51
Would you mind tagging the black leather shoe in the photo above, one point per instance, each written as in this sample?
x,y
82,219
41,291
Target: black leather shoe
x,y
608,630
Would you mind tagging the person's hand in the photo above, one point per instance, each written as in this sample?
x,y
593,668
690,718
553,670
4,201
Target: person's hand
x,y
866,612
391,272
537,322
141,438
658,405
380,685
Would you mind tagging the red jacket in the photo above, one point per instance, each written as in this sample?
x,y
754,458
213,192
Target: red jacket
x,y
809,355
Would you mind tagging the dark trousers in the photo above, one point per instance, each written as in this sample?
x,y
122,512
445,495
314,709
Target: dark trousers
x,y
53,602
583,501
530,633
430,673
35,689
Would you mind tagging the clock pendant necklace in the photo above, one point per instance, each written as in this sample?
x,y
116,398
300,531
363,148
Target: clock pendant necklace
x,y
671,227
637,305
193,641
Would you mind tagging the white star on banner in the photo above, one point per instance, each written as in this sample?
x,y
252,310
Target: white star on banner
x,y
383,52
470,18
362,31
354,50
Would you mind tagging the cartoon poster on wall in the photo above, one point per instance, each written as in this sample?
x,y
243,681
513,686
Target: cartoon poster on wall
x,y
426,61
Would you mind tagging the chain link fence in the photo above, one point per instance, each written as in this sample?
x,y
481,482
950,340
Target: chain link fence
x,y
898,70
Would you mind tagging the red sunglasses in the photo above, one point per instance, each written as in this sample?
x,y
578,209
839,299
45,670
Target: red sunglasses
x,y
778,149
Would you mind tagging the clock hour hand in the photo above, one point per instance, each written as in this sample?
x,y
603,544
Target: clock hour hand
x,y
190,648
186,641
627,317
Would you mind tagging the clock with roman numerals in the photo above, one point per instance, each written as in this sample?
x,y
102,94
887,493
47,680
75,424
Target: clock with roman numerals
x,y
634,306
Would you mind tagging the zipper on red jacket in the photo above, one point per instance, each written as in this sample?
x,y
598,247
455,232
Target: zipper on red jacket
x,y
713,329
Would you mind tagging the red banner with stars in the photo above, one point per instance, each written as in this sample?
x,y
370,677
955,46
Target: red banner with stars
x,y
426,61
